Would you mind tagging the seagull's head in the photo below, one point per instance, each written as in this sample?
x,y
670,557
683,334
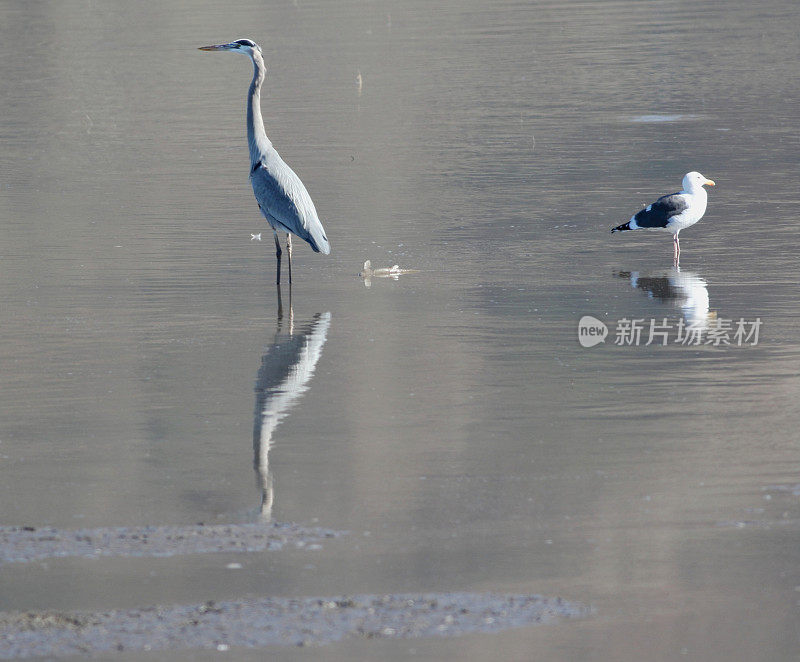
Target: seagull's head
x,y
694,181
245,46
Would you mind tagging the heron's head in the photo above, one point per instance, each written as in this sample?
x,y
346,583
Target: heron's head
x,y
245,46
694,180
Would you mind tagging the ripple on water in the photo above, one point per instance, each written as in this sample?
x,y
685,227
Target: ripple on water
x,y
664,118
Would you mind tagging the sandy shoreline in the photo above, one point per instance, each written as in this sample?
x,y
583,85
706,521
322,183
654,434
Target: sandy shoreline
x,y
248,623
273,621
20,544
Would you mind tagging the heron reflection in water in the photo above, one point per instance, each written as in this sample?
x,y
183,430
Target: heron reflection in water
x,y
683,289
286,368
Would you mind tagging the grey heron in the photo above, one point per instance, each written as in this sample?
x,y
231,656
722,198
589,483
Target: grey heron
x,y
281,196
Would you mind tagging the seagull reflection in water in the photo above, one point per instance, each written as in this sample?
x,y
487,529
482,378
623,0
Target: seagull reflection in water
x,y
286,368
683,289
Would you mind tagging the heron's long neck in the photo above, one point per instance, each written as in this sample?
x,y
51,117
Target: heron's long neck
x,y
256,136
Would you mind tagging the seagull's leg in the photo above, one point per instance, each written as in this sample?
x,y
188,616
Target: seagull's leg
x,y
289,250
278,255
677,246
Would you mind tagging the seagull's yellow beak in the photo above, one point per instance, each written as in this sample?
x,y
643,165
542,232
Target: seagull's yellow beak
x,y
709,182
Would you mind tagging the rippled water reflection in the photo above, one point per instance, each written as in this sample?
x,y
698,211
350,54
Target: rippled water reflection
x,y
453,424
286,369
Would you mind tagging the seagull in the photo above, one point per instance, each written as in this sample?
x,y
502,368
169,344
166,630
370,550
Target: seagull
x,y
673,212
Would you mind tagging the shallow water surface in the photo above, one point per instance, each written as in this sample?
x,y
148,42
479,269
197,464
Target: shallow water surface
x,y
448,420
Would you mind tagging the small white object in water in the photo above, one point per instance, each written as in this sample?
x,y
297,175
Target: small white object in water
x,y
234,566
383,272
255,237
394,272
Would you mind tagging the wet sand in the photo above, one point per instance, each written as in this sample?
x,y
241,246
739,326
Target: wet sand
x,y
273,621
249,623
19,544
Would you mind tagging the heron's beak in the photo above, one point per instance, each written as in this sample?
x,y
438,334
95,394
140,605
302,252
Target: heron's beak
x,y
709,182
218,47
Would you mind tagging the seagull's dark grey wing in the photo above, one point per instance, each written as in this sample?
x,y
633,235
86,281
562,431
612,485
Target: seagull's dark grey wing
x,y
659,214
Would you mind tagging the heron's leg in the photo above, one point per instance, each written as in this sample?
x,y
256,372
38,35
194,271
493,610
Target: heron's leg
x,y
289,251
278,255
280,305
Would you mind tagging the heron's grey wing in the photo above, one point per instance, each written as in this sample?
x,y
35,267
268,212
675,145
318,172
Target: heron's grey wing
x,y
661,212
281,195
